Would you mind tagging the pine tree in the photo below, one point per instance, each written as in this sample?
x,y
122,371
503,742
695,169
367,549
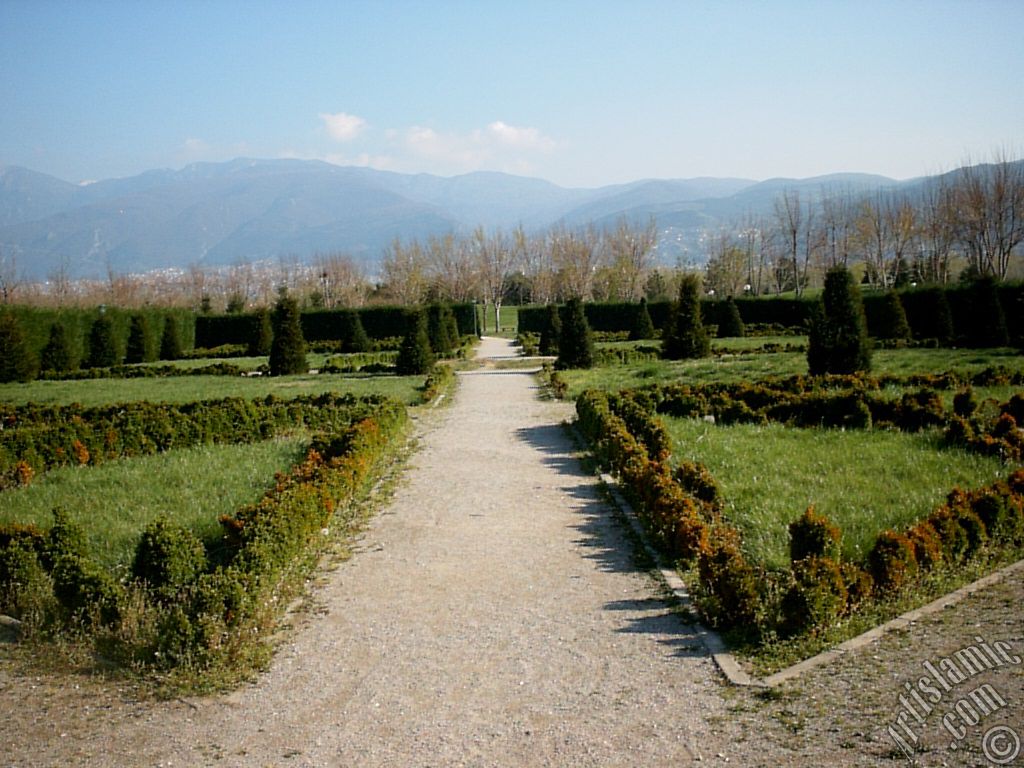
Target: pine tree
x,y
986,323
892,319
262,334
288,350
102,346
17,363
415,357
685,336
838,338
353,334
57,355
731,325
437,330
170,341
453,329
551,331
642,328
135,352
576,342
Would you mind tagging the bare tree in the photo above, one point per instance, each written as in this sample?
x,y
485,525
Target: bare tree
x,y
838,223
873,236
404,268
239,284
789,222
990,213
496,255
937,232
630,250
538,267
451,266
9,279
576,257
901,223
341,280
728,265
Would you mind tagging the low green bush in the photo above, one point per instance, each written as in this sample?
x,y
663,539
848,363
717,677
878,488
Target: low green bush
x,y
167,559
814,535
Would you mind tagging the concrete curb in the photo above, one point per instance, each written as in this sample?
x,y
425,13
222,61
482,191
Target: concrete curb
x,y
711,640
727,662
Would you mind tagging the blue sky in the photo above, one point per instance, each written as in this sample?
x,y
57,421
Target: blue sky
x,y
580,93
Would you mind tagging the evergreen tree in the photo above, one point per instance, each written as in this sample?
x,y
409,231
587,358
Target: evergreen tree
x,y
17,363
57,355
261,337
170,341
551,331
576,342
986,322
353,334
102,346
136,351
415,357
685,336
453,329
288,350
642,328
731,325
892,319
838,338
437,330
942,317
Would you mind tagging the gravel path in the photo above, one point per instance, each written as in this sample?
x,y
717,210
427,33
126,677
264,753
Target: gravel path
x,y
493,617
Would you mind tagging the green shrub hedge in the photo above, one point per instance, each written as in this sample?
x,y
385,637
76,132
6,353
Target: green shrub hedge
x,y
682,512
41,437
180,608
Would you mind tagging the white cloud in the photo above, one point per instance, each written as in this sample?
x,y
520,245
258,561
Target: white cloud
x,y
524,138
499,146
342,126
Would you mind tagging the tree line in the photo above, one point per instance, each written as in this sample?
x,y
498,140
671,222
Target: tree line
x,y
968,223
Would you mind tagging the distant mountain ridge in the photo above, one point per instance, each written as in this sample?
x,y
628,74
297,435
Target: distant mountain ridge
x,y
213,214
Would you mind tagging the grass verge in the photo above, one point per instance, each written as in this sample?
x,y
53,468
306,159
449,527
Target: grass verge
x,y
115,501
864,481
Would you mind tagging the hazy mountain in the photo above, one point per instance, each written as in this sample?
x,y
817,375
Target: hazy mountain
x,y
221,213
27,195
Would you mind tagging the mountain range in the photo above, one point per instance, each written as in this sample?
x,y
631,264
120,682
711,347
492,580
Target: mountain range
x,y
214,214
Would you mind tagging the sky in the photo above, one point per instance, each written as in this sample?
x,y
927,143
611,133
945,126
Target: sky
x,y
583,93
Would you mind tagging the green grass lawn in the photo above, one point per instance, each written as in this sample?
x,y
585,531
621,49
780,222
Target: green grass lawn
x,y
728,365
864,481
185,389
113,502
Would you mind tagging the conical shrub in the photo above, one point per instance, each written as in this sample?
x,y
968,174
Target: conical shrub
x,y
415,356
576,342
288,350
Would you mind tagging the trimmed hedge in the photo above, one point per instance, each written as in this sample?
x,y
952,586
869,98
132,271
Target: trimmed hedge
x,y
36,438
182,609
681,511
944,314
322,325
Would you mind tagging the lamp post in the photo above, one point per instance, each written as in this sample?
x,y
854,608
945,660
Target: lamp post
x,y
476,327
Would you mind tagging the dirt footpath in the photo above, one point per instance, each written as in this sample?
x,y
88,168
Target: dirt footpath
x,y
493,617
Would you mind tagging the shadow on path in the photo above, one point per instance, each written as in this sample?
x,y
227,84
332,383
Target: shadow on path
x,y
606,544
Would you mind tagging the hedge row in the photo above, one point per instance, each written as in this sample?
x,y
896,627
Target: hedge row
x,y
860,402
180,608
681,510
962,315
35,324
320,325
36,438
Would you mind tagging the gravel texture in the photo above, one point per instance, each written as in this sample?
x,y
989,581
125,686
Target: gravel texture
x,y
493,617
